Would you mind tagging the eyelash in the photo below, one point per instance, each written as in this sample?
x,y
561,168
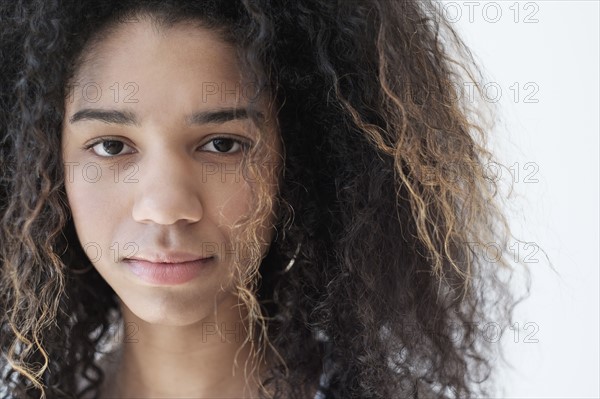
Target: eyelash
x,y
244,145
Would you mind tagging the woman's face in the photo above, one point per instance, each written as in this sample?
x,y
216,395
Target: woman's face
x,y
152,152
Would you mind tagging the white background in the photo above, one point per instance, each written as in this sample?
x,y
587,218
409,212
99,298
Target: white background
x,y
553,46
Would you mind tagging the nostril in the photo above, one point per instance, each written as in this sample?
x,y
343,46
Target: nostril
x,y
166,206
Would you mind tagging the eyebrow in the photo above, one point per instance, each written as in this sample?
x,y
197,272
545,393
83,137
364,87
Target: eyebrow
x,y
129,118
106,116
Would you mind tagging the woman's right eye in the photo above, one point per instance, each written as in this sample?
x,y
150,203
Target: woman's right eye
x,y
108,148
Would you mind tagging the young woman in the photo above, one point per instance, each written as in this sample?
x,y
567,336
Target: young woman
x,y
243,198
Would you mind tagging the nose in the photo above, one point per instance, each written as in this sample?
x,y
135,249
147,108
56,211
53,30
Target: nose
x,y
166,192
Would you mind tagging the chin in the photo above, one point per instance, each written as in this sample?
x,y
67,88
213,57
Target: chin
x,y
171,308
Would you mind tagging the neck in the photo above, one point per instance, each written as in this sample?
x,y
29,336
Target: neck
x,y
204,359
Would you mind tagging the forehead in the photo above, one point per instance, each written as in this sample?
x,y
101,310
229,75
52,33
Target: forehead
x,y
181,64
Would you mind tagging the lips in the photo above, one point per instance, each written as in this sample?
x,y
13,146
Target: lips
x,y
168,257
168,268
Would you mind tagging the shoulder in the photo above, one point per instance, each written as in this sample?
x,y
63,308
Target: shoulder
x,y
5,369
107,358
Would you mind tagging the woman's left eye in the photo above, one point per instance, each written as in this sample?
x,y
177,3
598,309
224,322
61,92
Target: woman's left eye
x,y
225,145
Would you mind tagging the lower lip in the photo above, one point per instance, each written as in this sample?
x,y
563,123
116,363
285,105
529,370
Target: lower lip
x,y
167,273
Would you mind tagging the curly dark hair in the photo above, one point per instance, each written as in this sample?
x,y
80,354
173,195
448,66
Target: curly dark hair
x,y
385,246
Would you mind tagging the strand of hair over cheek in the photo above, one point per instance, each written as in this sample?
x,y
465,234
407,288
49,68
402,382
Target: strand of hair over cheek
x,y
248,256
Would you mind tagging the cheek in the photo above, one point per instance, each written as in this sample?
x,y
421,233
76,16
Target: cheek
x,y
226,197
229,203
93,210
238,206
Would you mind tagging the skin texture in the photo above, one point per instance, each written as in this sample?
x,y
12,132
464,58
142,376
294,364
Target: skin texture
x,y
166,190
